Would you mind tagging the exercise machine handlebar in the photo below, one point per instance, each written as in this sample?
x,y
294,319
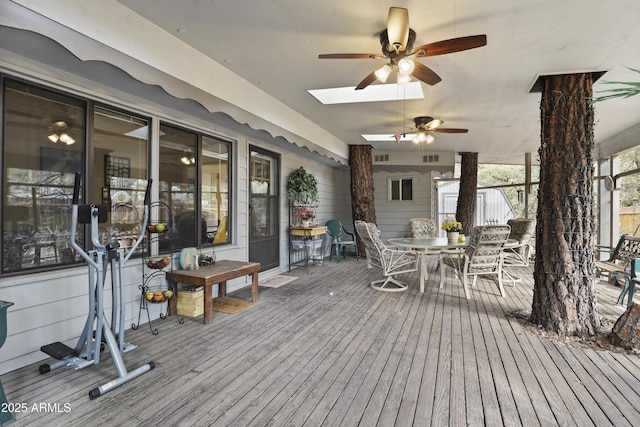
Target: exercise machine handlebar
x,y
147,193
76,188
145,220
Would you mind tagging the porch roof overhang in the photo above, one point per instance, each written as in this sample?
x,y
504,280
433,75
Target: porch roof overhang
x,y
154,57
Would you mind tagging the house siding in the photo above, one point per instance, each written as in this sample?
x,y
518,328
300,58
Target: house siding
x,y
393,216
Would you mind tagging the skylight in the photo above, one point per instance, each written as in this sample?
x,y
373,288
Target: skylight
x,y
372,93
389,137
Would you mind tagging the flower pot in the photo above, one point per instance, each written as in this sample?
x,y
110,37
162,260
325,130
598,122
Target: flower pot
x,y
306,223
452,236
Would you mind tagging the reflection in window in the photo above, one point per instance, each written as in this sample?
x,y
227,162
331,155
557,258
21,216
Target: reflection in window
x,y
178,150
215,190
191,196
43,148
264,200
120,172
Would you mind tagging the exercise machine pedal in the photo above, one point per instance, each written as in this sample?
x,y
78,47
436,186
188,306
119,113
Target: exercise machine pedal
x,y
59,351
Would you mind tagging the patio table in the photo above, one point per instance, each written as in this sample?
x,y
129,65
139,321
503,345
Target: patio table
x,y
427,246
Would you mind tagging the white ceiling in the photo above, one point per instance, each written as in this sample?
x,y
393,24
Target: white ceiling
x,y
275,45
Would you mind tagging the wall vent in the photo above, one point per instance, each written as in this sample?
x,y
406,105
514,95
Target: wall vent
x,y
381,158
431,158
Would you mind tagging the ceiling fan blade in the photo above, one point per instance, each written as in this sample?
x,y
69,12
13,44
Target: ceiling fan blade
x,y
350,56
450,46
450,130
426,74
367,81
398,28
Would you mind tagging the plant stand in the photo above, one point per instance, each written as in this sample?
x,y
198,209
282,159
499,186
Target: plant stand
x,y
156,268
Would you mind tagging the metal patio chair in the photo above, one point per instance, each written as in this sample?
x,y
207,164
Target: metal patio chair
x,y
482,257
392,261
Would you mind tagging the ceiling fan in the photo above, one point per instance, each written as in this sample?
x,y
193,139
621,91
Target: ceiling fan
x,y
397,46
427,126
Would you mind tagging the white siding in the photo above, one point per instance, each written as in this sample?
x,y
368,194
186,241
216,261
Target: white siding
x,y
392,217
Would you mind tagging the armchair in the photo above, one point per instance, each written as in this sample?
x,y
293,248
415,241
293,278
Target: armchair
x,y
423,227
522,230
337,233
391,261
482,256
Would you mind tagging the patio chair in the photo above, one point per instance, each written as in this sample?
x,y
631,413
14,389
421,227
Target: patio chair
x,y
522,230
482,257
392,261
630,283
339,242
423,227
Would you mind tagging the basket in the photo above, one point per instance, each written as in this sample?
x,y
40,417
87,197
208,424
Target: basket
x,y
158,297
190,301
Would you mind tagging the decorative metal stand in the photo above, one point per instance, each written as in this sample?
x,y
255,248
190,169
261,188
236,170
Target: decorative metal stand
x,y
156,267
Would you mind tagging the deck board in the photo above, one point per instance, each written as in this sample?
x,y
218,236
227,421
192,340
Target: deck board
x,y
327,349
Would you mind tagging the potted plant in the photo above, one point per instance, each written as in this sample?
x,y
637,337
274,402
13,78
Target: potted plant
x,y
453,229
302,185
306,215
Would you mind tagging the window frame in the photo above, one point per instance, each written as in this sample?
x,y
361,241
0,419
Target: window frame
x,y
198,229
400,180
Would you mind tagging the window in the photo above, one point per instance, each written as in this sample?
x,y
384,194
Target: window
x,y
120,172
400,189
45,137
629,194
49,136
215,189
191,194
43,147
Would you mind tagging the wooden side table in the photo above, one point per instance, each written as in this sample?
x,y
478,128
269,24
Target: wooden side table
x,y
218,274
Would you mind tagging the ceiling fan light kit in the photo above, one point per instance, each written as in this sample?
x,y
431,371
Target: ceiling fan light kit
x,y
406,67
403,79
59,129
423,137
383,73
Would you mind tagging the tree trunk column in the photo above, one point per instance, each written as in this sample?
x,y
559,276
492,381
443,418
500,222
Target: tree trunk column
x,y
363,206
467,195
564,299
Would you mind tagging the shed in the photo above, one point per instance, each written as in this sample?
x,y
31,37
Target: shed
x,y
492,205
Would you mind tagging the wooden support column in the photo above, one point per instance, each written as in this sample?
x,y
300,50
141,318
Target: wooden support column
x,y
467,196
564,299
363,205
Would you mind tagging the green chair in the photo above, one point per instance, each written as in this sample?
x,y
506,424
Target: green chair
x,y
339,241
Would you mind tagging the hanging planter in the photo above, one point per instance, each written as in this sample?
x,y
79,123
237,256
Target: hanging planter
x,y
302,186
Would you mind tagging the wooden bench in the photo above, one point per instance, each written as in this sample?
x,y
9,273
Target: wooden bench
x,y
619,263
628,247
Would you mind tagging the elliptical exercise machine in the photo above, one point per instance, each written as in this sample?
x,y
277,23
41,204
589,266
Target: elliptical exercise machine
x,y
96,328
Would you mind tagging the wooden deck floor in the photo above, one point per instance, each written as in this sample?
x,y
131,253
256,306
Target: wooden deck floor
x,y
327,349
